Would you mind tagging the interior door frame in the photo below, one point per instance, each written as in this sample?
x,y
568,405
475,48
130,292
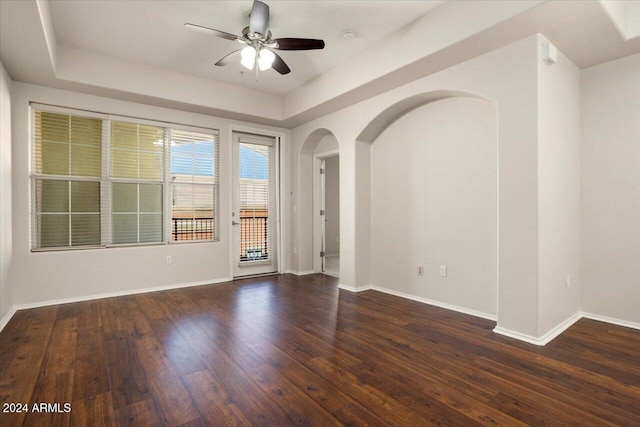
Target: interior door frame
x,y
280,179
317,203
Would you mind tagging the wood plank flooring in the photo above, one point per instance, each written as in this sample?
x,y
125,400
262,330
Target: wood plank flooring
x,y
287,350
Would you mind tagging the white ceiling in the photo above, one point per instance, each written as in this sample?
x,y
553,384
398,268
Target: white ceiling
x,y
152,33
139,50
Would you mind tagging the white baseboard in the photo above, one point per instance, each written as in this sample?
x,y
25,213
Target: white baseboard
x,y
435,303
517,335
613,321
546,338
300,273
353,289
120,293
549,336
7,317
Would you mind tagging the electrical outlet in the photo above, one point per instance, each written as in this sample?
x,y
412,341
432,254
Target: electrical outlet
x,y
169,260
420,271
443,271
568,281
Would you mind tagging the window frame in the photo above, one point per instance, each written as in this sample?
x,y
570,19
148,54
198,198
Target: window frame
x,y
106,181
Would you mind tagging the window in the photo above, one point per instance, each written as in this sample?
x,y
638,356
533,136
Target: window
x,y
102,180
67,180
137,177
193,185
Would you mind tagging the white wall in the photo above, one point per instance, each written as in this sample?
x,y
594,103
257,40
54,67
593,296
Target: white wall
x,y
434,202
332,205
611,189
6,295
327,144
45,276
507,77
558,191
362,212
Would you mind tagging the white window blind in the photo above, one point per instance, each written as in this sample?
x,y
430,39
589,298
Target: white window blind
x,y
100,180
137,176
66,182
194,185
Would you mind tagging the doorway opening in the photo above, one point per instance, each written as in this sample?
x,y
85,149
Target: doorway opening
x,y
330,215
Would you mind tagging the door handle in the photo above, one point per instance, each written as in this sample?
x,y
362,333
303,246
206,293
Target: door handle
x,y
235,223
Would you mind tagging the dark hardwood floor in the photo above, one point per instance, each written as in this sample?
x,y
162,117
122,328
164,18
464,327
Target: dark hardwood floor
x,y
287,350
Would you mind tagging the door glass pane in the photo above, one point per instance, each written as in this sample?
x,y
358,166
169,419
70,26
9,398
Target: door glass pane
x,y
254,196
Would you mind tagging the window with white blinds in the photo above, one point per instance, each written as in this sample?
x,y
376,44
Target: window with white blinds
x,y
137,177
100,180
194,186
67,162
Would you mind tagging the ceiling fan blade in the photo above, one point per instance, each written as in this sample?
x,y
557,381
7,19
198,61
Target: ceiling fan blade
x,y
298,44
259,18
279,65
211,31
234,56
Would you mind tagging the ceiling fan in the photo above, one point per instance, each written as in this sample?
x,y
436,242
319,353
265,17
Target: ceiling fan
x,y
258,52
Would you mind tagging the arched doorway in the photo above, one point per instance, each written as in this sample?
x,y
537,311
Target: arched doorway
x,y
433,221
318,212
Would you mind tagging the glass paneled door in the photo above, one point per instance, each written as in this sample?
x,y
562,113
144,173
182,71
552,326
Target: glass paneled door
x,y
254,205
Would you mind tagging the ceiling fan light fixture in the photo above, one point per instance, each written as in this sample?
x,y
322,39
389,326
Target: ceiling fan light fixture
x,y
258,54
265,60
248,55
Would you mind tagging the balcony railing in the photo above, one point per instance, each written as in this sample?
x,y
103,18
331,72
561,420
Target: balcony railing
x,y
254,236
191,229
